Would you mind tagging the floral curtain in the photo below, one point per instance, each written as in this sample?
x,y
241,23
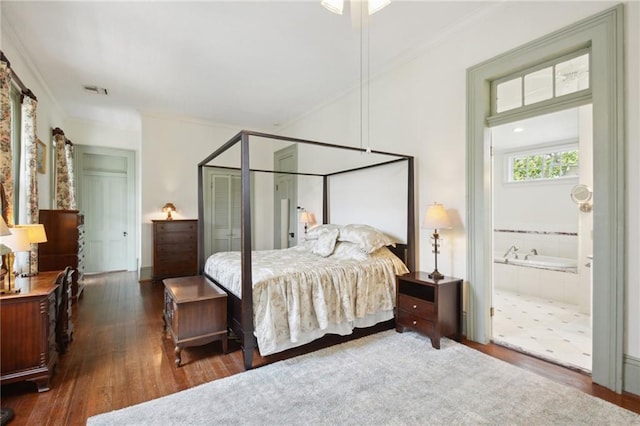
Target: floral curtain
x,y
6,157
65,179
29,146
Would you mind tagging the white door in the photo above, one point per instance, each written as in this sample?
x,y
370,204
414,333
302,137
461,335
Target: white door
x,y
225,206
286,198
106,197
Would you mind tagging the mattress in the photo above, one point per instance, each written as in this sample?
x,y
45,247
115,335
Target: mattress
x,y
299,296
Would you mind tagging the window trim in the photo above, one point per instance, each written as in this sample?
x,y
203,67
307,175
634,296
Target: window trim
x,y
529,70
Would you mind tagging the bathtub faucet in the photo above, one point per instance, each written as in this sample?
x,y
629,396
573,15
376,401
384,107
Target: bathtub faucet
x,y
532,252
512,249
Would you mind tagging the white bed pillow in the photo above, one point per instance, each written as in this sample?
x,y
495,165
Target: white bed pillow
x,y
325,243
315,232
368,238
349,251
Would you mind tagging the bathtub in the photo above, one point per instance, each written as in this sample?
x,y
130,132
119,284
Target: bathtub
x,y
553,263
549,277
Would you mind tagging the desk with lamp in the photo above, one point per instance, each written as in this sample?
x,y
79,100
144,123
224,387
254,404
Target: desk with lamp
x,y
17,240
27,315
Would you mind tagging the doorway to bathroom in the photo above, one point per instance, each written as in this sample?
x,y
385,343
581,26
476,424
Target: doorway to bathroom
x,y
541,292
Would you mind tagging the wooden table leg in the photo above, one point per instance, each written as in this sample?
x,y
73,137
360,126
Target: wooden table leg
x,y
178,355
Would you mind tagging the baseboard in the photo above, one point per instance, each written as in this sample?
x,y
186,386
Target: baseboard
x,y
145,273
631,378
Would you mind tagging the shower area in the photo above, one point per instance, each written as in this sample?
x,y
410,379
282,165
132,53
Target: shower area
x,y
542,236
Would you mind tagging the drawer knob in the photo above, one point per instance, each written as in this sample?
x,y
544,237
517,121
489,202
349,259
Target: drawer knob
x,y
415,322
414,306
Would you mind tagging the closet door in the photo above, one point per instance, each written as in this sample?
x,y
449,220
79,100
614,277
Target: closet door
x,y
225,208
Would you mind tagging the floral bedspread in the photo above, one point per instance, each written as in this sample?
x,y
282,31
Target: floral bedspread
x,y
296,292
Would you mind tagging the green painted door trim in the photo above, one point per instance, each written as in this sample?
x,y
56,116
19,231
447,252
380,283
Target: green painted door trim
x,y
604,32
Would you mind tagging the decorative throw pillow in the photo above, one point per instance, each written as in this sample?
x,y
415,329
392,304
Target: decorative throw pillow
x,y
315,232
325,243
368,238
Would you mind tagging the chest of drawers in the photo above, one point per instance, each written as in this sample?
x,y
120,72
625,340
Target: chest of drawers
x,y
64,246
175,248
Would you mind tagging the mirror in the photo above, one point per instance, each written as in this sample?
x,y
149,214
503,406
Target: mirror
x,y
581,194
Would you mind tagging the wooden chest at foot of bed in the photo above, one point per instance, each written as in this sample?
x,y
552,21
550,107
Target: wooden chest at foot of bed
x,y
195,313
430,307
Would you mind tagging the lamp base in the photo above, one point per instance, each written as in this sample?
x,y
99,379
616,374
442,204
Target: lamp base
x,y
435,275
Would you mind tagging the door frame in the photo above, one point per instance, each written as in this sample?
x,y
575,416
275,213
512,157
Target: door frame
x,y
604,33
79,150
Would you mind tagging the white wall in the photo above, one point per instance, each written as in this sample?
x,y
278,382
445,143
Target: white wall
x,y
419,109
171,150
532,206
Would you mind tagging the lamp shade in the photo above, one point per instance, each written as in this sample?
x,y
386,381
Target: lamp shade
x,y
18,240
36,232
4,229
306,217
436,217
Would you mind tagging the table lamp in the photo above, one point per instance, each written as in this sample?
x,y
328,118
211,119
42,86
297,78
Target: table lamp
x,y
4,250
18,241
36,235
168,208
436,218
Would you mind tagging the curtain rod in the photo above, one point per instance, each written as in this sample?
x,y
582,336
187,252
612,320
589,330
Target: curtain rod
x,y
59,131
25,91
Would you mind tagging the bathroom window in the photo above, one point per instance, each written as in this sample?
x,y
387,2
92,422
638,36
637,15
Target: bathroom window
x,y
549,164
559,77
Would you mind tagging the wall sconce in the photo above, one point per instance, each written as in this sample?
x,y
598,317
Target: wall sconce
x,y
435,218
168,208
306,218
37,235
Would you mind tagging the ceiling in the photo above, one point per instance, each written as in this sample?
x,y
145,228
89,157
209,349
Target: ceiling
x,y
556,127
248,64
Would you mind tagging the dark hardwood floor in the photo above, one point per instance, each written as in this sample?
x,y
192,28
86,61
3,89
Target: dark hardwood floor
x,y
119,358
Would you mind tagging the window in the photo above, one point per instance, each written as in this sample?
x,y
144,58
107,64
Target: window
x,y
549,164
560,77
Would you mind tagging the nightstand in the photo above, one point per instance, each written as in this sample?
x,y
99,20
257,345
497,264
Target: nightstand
x,y
430,307
195,313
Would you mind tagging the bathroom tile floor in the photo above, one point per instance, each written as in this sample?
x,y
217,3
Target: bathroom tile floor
x,y
548,329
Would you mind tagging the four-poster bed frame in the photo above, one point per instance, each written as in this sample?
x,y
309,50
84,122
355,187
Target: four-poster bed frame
x,y
240,310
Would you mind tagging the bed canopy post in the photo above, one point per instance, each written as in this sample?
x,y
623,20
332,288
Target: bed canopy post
x,y
325,199
247,281
200,240
411,217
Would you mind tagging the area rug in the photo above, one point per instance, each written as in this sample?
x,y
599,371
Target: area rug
x,y
383,379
